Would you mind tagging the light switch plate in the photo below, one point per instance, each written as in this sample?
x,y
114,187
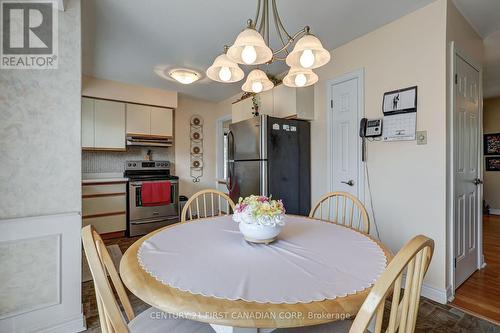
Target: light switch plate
x,y
421,137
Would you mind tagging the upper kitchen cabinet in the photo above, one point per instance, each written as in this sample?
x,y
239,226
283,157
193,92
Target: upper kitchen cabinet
x,y
138,119
242,110
162,121
149,120
297,103
103,124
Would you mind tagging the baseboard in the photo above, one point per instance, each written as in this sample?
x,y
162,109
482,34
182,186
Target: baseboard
x,y
436,294
73,325
494,211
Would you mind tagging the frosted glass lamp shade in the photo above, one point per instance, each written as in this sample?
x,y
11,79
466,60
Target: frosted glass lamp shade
x,y
225,70
184,76
249,48
257,81
308,53
299,77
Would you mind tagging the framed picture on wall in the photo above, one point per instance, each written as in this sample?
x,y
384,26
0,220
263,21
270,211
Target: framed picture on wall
x,y
492,144
492,163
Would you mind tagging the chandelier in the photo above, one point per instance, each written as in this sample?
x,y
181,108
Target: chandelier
x,y
252,47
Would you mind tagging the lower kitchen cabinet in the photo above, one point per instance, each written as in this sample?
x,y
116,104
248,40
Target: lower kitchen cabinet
x,y
105,206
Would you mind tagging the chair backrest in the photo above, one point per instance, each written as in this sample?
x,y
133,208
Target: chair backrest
x,y
101,264
413,259
207,203
342,208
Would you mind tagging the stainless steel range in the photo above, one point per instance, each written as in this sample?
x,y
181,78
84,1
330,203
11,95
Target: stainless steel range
x,y
142,218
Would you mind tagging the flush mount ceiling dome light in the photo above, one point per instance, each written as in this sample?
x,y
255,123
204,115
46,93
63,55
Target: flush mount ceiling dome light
x,y
184,76
252,47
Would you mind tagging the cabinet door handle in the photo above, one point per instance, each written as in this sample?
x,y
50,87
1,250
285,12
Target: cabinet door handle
x,y
349,182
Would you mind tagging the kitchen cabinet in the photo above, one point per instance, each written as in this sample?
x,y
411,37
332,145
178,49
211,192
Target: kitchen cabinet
x,y
103,124
149,120
88,138
105,206
242,110
293,102
161,121
138,119
109,125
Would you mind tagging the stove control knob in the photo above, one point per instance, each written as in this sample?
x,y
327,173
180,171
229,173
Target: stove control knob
x,y
134,164
129,164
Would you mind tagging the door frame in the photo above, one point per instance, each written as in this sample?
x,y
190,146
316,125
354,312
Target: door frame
x,y
455,51
360,75
219,148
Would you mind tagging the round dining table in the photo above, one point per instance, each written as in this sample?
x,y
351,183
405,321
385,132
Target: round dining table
x,y
314,273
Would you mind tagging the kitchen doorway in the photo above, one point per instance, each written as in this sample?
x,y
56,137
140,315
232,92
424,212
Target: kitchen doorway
x,y
345,110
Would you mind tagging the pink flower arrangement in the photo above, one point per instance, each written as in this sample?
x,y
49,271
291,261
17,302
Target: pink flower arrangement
x,y
262,210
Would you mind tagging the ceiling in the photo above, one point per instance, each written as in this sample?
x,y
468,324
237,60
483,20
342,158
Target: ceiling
x,y
484,16
125,40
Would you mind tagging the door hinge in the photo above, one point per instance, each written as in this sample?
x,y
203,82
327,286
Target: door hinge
x,y
456,78
331,104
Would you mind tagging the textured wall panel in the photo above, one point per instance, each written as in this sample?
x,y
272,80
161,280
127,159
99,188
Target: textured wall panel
x,y
29,274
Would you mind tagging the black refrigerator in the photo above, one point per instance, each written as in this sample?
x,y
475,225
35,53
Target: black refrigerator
x,y
271,156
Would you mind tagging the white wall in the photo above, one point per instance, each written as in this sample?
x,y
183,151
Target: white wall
x,y
407,181
40,202
186,109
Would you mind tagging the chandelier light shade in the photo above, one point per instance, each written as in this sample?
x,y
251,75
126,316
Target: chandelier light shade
x,y
225,70
184,76
252,47
308,53
299,77
249,48
257,81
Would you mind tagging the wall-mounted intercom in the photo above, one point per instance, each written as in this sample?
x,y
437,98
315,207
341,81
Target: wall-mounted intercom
x,y
370,128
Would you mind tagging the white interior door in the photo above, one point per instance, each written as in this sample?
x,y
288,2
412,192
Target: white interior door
x,y
466,161
346,145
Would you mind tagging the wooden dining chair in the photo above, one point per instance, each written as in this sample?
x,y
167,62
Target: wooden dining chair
x,y
197,207
342,208
110,315
412,260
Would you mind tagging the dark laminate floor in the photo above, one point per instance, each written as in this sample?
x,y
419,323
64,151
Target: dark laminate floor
x,y
432,318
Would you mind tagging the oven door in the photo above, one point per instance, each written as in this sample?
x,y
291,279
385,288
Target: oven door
x,y
139,212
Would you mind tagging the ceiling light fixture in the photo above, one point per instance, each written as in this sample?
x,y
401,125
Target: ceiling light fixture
x,y
252,47
257,81
184,76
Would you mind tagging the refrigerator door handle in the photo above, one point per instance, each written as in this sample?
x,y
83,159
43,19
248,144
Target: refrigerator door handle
x,y
263,178
230,162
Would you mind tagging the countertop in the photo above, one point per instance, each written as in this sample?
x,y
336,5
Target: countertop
x,y
103,177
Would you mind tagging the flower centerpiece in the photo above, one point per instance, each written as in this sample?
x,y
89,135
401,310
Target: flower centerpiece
x,y
260,218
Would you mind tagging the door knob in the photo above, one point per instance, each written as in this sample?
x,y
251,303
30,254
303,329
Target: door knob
x,y
349,182
477,181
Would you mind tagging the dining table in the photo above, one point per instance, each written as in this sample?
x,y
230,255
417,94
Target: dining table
x,y
316,272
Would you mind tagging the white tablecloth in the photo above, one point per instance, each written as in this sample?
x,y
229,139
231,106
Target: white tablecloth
x,y
310,261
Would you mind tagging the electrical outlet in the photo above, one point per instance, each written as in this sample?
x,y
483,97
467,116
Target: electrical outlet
x,y
421,137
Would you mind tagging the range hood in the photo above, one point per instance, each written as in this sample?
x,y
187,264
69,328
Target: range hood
x,y
149,141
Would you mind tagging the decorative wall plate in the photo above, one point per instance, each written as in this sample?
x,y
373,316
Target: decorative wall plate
x,y
196,149
196,135
196,120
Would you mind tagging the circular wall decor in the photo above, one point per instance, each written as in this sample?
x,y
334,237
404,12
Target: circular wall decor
x,y
196,120
196,139
196,149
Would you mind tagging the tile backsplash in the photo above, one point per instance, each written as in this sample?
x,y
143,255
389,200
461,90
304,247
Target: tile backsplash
x,y
107,161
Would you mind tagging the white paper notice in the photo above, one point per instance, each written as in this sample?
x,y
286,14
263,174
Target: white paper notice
x,y
400,127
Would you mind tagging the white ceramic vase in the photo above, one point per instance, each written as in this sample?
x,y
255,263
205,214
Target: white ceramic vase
x,y
258,233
